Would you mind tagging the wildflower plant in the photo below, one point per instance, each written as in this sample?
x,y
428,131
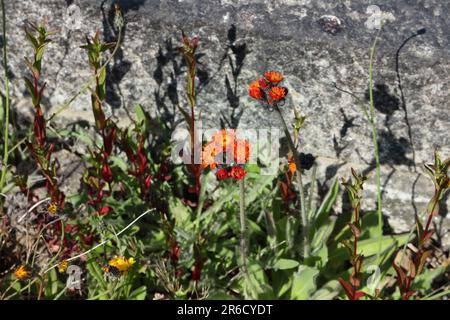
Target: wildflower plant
x,y
268,91
40,149
414,266
354,189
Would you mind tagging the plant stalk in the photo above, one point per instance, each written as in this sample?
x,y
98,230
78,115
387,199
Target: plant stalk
x,y
373,124
6,125
301,189
243,241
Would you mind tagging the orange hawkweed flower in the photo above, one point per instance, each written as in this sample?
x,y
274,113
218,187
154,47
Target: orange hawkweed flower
x,y
274,76
237,173
224,144
224,139
241,151
209,155
292,167
291,164
255,91
22,273
277,93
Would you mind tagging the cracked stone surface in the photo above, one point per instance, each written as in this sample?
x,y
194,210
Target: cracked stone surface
x,y
322,47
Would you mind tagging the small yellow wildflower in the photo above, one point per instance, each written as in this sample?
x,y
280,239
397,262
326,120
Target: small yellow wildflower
x,y
62,266
22,273
122,263
52,208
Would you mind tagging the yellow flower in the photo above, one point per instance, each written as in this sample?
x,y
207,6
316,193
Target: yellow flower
x,y
62,266
22,273
122,263
52,208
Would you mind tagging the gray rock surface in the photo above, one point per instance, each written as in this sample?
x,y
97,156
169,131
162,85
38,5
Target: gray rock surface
x,y
317,45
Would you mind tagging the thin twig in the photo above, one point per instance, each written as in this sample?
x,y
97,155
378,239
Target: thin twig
x,y
373,123
32,208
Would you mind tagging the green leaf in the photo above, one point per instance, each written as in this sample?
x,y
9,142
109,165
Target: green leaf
x,y
257,284
220,295
102,76
326,205
96,272
31,38
284,264
138,294
181,213
328,292
140,114
304,283
118,162
52,284
323,233
30,88
369,247
187,117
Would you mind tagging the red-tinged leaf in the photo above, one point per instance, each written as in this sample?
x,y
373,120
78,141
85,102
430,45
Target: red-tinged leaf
x,y
412,270
427,235
358,261
423,260
348,289
408,295
354,174
358,295
401,275
433,207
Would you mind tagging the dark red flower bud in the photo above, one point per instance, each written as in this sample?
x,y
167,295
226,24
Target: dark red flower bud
x,y
108,139
263,83
222,174
39,127
107,174
104,211
197,271
142,159
237,172
147,181
71,228
175,252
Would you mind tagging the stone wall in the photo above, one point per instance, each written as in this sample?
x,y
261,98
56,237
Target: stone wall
x,y
321,46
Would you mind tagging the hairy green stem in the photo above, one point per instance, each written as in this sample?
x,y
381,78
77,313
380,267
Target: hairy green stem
x,y
373,124
243,239
301,189
6,125
201,201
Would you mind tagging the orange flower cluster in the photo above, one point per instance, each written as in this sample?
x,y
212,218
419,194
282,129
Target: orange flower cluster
x,y
267,89
224,143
